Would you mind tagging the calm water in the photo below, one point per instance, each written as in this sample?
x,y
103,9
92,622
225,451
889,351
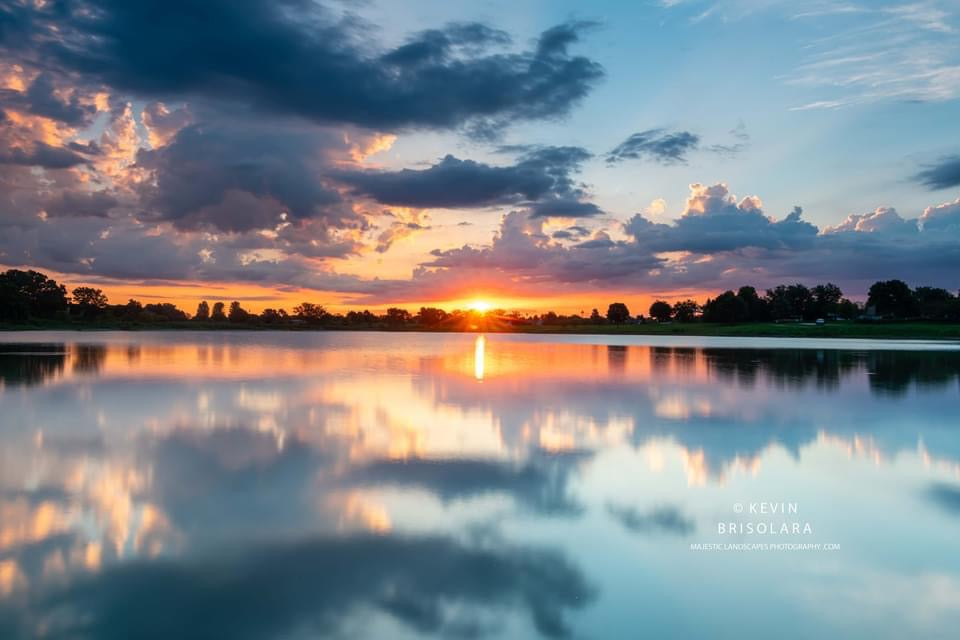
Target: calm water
x,y
259,486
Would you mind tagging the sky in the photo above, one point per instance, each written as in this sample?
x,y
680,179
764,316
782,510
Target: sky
x,y
535,155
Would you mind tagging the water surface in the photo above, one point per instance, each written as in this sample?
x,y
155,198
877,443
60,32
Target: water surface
x,y
261,486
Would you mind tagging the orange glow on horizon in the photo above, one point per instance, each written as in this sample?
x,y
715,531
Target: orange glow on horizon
x,y
256,298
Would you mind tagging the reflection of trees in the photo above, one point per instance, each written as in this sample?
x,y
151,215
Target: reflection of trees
x,y
790,368
30,364
88,358
617,358
889,371
314,588
892,372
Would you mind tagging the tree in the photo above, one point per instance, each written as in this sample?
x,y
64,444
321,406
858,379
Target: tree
x,y
30,294
203,311
430,316
618,313
595,317
133,310
164,311
686,310
934,303
755,308
892,298
727,307
661,311
826,299
217,315
310,313
790,302
237,313
90,302
397,317
361,317
848,309
273,316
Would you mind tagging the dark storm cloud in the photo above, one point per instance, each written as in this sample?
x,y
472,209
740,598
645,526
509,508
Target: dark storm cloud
x,y
659,145
570,233
81,203
295,57
540,173
42,155
316,587
40,99
944,174
564,208
238,178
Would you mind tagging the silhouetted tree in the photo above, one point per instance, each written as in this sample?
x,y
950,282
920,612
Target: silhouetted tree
x,y
364,317
218,315
132,311
30,294
618,313
789,302
755,308
89,302
397,317
430,316
273,316
661,311
310,313
727,307
686,310
163,311
848,309
934,303
595,317
203,311
892,298
237,313
826,298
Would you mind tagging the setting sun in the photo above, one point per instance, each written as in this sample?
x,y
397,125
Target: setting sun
x,y
480,306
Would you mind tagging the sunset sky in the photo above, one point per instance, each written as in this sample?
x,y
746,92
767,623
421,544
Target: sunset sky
x,y
532,154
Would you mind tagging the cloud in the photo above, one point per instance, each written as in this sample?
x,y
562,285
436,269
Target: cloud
x,y
944,217
237,178
658,145
883,220
43,98
455,183
719,241
945,174
43,155
318,586
667,147
309,62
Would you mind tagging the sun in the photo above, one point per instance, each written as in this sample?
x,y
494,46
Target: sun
x,y
480,306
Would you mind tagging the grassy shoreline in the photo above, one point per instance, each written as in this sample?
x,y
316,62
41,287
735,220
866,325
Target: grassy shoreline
x,y
892,331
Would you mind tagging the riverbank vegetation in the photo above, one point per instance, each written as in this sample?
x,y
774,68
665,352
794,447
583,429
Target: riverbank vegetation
x,y
29,299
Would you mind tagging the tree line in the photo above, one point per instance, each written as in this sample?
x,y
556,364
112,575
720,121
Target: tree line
x,y
31,296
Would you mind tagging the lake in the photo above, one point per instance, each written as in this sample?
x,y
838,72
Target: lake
x,y
261,486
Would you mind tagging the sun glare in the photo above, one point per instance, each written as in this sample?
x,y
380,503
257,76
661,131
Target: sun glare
x,y
480,306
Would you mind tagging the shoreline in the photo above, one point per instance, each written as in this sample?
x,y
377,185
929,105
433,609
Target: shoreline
x,y
880,331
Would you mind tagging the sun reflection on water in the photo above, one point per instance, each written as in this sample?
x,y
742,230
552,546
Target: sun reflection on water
x,y
479,347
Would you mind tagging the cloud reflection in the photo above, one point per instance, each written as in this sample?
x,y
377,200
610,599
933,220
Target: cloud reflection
x,y
311,588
